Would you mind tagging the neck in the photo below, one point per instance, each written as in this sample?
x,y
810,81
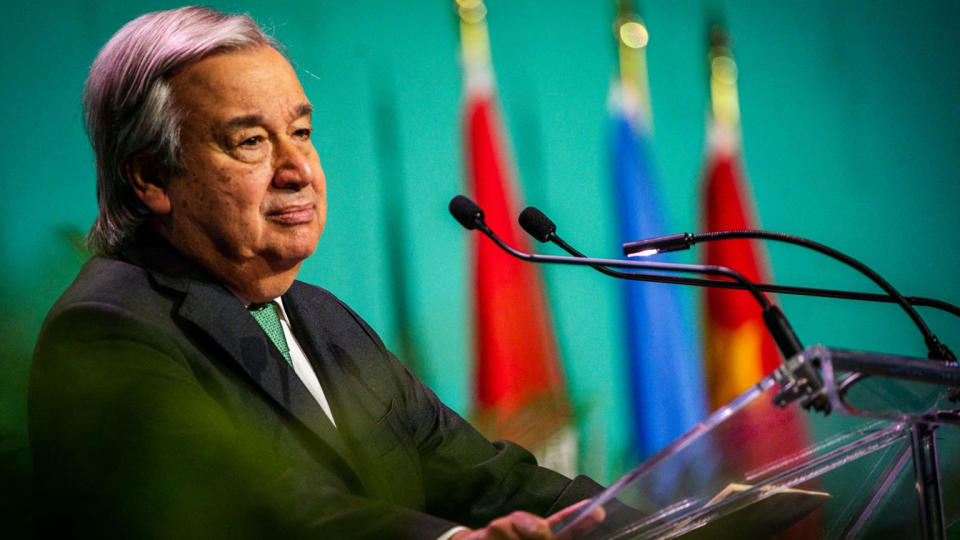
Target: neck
x,y
256,279
255,284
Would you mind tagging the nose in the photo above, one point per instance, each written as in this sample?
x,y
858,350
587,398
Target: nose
x,y
293,168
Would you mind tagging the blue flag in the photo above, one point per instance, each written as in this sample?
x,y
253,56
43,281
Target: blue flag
x,y
666,378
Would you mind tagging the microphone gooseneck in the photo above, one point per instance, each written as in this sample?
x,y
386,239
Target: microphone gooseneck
x,y
675,242
471,217
765,287
539,226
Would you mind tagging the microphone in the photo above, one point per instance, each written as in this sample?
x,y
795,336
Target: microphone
x,y
537,224
471,217
466,212
675,242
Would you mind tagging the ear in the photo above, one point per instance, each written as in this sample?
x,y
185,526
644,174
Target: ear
x,y
147,182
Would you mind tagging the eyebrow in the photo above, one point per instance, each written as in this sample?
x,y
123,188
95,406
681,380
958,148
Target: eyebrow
x,y
253,120
304,109
250,120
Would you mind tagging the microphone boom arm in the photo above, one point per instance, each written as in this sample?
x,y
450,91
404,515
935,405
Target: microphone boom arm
x,y
936,349
743,282
471,217
767,287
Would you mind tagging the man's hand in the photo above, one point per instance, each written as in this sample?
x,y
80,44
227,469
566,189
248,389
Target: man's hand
x,y
526,526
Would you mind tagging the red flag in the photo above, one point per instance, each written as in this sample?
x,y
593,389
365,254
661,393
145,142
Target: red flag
x,y
520,392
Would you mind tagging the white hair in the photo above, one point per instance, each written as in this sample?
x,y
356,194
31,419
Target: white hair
x,y
129,110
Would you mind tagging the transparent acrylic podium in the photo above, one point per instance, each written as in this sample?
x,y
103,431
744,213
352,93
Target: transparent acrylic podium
x,y
872,468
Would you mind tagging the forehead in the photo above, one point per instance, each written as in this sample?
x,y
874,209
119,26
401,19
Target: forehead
x,y
251,80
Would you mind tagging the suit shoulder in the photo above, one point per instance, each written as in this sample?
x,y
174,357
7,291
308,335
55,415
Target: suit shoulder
x,y
105,280
108,296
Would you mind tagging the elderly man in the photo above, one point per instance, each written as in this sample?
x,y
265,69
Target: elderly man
x,y
185,384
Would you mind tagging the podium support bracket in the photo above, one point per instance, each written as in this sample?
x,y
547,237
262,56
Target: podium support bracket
x,y
926,470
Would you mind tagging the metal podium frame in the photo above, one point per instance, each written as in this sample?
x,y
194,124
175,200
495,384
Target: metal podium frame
x,y
796,381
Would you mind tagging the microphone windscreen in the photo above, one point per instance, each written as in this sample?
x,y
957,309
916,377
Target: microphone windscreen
x,y
537,224
466,211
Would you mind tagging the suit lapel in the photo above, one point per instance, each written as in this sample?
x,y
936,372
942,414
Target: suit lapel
x,y
216,311
239,334
349,395
356,407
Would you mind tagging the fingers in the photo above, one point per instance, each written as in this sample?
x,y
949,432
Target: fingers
x,y
567,512
516,526
584,524
524,526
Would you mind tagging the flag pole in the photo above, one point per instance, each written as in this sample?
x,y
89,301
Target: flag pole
x,y
474,37
724,100
632,38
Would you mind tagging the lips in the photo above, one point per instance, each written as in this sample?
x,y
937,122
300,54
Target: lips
x,y
293,214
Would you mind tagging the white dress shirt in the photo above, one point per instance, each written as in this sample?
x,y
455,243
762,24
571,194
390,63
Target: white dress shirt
x,y
301,366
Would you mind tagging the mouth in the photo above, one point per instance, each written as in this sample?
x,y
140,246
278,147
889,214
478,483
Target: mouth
x,y
293,215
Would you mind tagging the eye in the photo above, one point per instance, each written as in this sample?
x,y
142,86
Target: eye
x,y
303,133
251,141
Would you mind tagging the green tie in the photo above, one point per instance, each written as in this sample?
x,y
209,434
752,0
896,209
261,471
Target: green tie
x,y
266,317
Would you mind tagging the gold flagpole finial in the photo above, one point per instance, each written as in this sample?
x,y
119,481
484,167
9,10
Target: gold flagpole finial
x,y
724,98
632,38
474,38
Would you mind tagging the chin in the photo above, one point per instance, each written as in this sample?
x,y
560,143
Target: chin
x,y
290,255
293,247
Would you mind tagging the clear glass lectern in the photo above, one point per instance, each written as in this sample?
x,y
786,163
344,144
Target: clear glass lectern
x,y
751,471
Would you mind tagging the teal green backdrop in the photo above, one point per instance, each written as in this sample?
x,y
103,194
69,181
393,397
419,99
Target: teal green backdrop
x,y
851,130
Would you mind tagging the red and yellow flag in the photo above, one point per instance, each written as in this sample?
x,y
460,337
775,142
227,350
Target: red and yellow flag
x,y
738,349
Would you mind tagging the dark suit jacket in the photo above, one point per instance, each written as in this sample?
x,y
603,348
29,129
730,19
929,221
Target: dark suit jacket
x,y
159,408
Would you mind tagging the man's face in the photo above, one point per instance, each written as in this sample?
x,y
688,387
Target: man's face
x,y
252,191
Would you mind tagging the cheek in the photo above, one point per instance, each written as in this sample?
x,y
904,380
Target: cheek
x,y
199,197
235,190
221,199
